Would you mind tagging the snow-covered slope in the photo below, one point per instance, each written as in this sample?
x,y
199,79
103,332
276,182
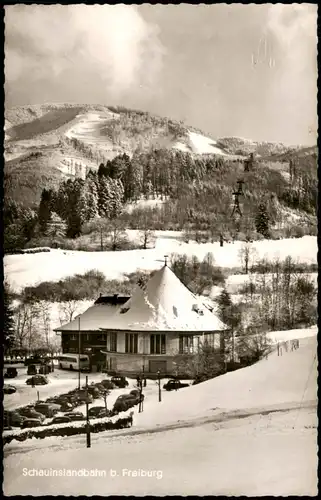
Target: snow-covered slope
x,y
279,380
199,144
23,270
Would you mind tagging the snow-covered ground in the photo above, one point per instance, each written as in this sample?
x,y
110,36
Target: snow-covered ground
x,y
199,144
203,145
60,381
250,432
24,270
143,204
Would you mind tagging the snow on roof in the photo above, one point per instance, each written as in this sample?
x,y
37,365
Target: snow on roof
x,y
91,319
164,304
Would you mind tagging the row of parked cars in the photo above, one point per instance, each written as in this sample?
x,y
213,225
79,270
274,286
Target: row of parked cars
x,y
34,415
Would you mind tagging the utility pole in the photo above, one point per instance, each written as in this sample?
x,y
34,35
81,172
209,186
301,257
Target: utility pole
x,y
237,194
233,347
87,416
140,408
78,352
159,387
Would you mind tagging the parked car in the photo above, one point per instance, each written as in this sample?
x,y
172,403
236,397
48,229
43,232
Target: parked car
x,y
31,422
60,420
11,372
173,385
32,370
120,382
94,411
44,369
25,410
126,401
9,389
82,395
93,391
65,406
47,409
65,402
107,384
75,415
33,360
34,414
37,380
13,418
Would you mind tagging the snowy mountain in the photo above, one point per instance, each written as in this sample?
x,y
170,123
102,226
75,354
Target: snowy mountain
x,y
50,142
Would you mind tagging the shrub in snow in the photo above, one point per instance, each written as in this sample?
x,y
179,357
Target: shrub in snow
x,y
69,429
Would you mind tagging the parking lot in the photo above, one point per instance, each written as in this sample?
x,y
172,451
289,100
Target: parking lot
x,y
61,382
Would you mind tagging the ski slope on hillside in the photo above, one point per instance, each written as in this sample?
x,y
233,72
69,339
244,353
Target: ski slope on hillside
x,y
199,144
25,270
244,433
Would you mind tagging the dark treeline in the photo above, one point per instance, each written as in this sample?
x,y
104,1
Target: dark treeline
x,y
198,192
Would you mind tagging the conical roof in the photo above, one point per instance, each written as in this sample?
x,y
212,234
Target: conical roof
x,y
164,304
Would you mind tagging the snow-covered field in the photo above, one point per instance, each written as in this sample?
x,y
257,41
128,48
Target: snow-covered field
x,y
250,432
24,270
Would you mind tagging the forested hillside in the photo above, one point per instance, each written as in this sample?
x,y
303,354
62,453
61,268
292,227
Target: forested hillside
x,y
70,171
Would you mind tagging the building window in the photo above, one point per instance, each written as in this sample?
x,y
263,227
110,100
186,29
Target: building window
x,y
186,344
73,336
131,343
158,344
113,342
210,340
101,338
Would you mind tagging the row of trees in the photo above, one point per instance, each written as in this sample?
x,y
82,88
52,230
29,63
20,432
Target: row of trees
x,y
27,324
78,201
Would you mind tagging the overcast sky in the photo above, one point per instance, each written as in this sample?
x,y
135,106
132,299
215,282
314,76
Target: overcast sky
x,y
231,70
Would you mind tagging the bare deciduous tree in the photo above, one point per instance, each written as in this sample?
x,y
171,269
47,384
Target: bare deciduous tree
x,y
247,255
68,310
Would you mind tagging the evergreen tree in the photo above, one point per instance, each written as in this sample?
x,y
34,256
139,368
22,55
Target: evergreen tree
x,y
56,227
45,208
104,197
117,197
262,220
92,198
8,326
224,304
